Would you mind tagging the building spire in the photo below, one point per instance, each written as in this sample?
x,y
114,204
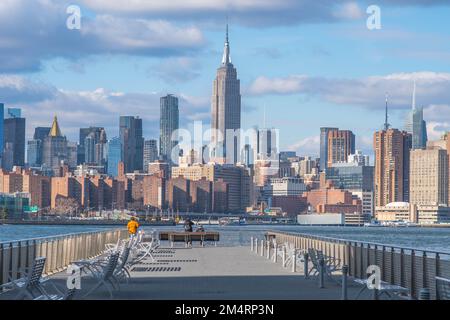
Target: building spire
x,y
55,131
414,96
226,59
386,124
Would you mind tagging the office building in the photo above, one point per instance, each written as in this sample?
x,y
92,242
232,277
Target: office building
x,y
114,156
341,143
359,158
226,109
357,179
14,205
267,143
14,134
132,143
429,177
415,125
324,146
169,123
237,178
55,149
392,148
150,152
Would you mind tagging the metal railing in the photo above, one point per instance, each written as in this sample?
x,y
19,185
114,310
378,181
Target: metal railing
x,y
411,268
60,251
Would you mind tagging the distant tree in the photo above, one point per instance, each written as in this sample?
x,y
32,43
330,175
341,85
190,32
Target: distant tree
x,y
3,213
66,206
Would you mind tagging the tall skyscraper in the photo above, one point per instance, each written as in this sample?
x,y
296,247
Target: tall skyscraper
x,y
41,132
89,149
14,113
225,107
429,177
391,166
169,122
341,143
100,149
324,146
266,144
35,146
415,125
14,135
87,154
34,153
132,143
55,149
150,152
114,156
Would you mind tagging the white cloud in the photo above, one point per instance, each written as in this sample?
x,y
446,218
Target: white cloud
x,y
40,102
33,31
432,88
176,70
260,13
308,146
349,10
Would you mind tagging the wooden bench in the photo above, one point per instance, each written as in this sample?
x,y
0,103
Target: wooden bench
x,y
189,237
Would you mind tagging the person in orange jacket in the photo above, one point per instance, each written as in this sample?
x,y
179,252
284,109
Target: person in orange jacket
x,y
132,226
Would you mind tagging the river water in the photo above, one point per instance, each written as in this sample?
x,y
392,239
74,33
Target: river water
x,y
425,238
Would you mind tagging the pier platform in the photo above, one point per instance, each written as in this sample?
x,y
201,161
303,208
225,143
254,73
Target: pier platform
x,y
219,273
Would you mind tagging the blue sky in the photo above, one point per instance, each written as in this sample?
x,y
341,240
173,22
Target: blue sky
x,y
310,63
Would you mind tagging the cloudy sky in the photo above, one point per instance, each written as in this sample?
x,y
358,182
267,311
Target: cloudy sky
x,y
307,63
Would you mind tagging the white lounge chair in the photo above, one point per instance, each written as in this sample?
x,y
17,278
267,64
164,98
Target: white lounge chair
x,y
31,285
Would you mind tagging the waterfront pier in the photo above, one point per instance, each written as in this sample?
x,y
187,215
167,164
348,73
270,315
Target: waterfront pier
x,y
268,268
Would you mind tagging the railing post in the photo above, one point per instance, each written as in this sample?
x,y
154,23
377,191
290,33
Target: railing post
x,y
283,256
306,264
256,245
268,250
251,243
262,248
344,282
294,261
321,273
275,253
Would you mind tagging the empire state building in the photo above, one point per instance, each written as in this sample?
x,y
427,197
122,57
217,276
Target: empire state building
x,y
226,109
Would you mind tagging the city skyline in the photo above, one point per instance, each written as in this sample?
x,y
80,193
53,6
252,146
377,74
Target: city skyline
x,y
304,71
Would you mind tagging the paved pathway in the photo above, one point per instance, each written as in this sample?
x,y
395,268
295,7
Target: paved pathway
x,y
214,273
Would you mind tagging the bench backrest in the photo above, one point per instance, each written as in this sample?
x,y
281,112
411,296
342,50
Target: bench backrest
x,y
313,256
111,265
124,256
443,288
35,273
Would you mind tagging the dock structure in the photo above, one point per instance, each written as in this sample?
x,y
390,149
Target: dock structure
x,y
219,273
268,268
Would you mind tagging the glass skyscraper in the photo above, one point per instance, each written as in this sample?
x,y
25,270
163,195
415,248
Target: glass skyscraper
x,y
150,152
415,125
114,156
169,122
14,135
132,143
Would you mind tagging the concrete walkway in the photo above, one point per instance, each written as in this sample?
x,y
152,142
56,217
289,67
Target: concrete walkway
x,y
219,273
